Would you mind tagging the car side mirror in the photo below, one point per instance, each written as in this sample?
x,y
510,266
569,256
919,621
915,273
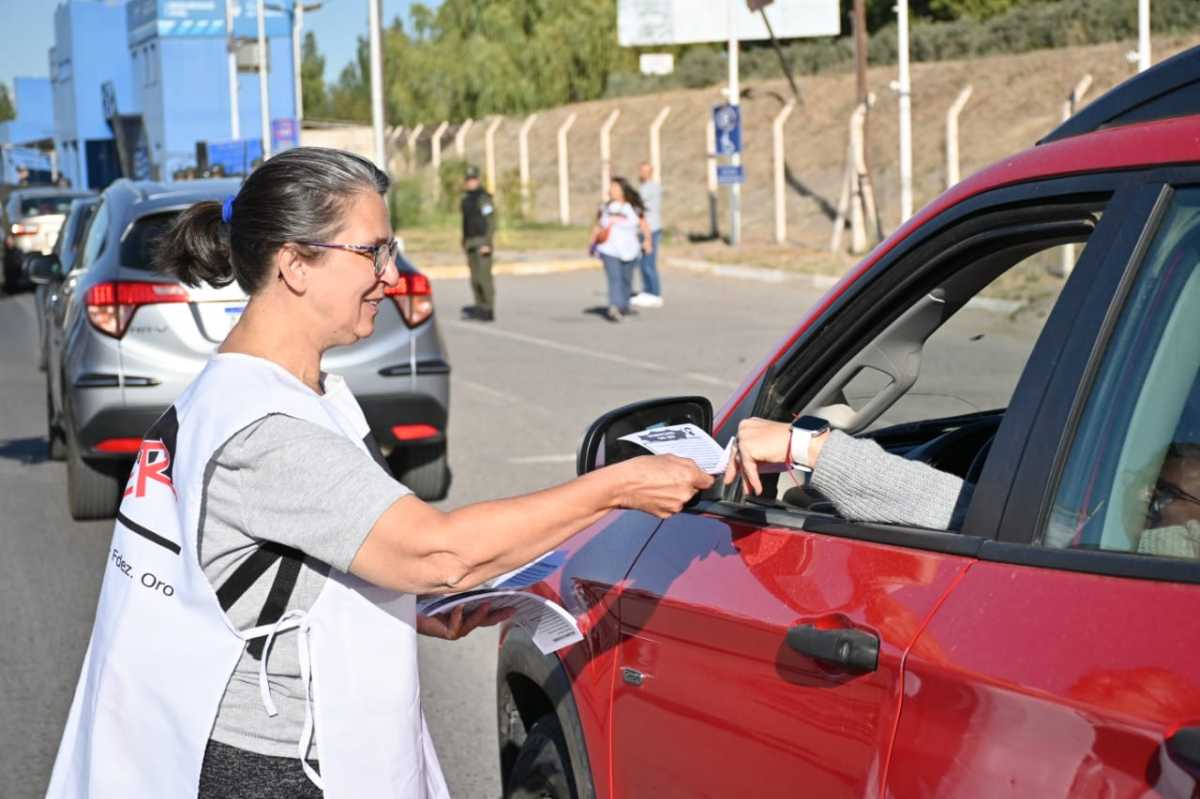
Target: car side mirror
x,y
602,446
42,269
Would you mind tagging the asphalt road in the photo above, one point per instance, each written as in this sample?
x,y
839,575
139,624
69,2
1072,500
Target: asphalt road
x,y
523,391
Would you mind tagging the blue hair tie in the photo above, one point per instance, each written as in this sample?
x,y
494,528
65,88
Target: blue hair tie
x,y
227,210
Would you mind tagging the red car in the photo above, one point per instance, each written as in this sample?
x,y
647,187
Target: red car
x,y
766,646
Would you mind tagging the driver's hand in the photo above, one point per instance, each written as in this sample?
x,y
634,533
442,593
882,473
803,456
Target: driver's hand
x,y
758,441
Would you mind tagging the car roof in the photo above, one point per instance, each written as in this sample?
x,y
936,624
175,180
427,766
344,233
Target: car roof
x,y
132,199
50,191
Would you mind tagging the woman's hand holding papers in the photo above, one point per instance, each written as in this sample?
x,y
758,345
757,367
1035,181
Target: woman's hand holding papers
x,y
458,623
661,484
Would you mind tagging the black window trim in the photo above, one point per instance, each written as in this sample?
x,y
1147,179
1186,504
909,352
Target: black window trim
x,y
763,515
1053,430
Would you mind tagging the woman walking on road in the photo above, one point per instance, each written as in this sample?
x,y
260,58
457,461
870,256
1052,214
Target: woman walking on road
x,y
615,237
256,629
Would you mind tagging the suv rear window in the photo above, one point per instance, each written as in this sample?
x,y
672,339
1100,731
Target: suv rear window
x,y
37,206
137,250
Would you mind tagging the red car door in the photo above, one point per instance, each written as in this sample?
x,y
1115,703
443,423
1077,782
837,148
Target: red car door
x,y
1066,662
738,618
710,698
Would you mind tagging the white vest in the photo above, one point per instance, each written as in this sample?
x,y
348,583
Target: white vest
x,y
162,650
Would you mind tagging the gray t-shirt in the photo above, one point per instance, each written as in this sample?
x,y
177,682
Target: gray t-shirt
x,y
289,481
652,197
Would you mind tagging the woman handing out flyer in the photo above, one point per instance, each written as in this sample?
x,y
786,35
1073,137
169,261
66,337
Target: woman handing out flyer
x,y
273,651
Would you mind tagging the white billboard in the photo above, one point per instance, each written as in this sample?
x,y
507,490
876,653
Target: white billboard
x,y
645,23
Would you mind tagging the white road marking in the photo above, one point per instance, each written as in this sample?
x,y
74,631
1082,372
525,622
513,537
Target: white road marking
x,y
501,396
636,363
535,459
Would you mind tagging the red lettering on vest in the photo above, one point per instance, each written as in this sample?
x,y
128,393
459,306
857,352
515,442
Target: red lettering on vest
x,y
146,467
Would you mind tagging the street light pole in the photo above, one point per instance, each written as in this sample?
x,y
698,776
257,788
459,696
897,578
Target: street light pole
x,y
377,84
235,126
1143,35
264,99
297,27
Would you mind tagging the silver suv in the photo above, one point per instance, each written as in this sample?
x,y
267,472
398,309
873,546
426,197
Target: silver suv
x,y
131,339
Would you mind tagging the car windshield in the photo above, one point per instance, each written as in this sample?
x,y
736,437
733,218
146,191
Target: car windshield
x,y
53,204
137,250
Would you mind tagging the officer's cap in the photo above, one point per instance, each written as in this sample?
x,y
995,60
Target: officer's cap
x,y
472,172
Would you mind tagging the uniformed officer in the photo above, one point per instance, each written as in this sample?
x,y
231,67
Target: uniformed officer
x,y
478,228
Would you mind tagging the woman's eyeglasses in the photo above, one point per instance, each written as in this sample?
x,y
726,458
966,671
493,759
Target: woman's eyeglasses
x,y
380,254
1164,494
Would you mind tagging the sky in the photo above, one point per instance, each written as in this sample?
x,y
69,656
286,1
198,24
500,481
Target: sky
x,y
337,26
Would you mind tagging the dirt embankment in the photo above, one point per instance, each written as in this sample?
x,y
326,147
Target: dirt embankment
x,y
1016,100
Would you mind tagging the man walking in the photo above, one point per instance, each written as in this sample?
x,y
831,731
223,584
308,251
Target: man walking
x,y
651,191
478,228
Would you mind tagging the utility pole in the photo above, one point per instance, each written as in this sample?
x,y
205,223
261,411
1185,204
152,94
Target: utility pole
x,y
860,70
735,189
264,99
296,12
235,127
377,84
904,87
1143,35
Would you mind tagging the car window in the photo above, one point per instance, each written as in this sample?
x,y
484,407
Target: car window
x,y
1131,482
36,206
97,234
137,249
972,362
933,377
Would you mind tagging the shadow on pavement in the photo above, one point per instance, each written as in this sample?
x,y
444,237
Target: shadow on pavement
x,y
24,450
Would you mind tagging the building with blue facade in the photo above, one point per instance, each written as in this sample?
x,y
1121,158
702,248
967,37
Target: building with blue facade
x,y
138,85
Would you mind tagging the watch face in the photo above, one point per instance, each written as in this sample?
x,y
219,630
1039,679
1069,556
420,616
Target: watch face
x,y
813,424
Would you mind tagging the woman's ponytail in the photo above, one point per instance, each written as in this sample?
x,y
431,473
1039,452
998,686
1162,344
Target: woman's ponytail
x,y
195,248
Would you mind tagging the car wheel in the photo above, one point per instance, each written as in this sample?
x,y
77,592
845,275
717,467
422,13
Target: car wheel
x,y
423,469
542,769
56,447
93,489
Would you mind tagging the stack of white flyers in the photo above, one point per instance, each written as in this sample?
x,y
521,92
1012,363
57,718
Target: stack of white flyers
x,y
549,624
689,441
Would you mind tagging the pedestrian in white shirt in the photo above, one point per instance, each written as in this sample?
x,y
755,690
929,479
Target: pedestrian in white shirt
x,y
651,192
615,237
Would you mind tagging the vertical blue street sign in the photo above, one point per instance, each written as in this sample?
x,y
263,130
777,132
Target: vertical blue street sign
x,y
285,134
727,119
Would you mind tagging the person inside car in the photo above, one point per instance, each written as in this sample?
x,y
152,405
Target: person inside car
x,y
866,483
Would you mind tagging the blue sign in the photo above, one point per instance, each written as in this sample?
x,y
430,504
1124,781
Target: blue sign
x,y
200,18
728,175
285,134
235,157
727,119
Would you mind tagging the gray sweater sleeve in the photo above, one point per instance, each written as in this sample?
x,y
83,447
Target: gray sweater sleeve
x,y
866,483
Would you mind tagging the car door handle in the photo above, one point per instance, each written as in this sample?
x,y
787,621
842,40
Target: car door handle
x,y
1184,748
853,649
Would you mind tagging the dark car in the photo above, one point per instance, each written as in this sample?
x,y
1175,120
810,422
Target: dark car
x,y
53,269
131,339
1047,645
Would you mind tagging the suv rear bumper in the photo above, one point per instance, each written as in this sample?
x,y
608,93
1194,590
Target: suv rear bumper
x,y
387,411
383,412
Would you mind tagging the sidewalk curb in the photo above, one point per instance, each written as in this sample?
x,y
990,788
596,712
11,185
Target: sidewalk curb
x,y
514,268
734,271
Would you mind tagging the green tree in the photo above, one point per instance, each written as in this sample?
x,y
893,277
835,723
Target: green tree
x,y
312,78
7,111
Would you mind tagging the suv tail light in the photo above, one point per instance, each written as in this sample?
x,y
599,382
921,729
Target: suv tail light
x,y
110,306
413,297
24,230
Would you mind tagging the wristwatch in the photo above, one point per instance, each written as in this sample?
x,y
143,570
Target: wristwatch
x,y
804,430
